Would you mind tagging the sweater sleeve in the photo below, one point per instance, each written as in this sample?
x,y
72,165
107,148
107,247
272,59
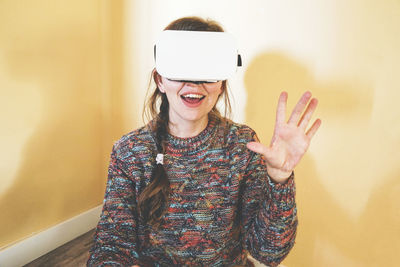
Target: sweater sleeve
x,y
115,240
269,214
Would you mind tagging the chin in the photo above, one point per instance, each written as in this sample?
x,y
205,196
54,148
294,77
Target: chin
x,y
194,117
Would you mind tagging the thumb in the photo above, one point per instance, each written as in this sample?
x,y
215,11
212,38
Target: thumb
x,y
258,148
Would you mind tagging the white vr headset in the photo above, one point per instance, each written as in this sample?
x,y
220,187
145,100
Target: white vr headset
x,y
196,56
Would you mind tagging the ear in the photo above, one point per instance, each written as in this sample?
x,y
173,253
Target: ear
x,y
222,88
158,81
161,87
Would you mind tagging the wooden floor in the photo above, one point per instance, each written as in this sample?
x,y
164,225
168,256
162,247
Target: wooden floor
x,y
74,253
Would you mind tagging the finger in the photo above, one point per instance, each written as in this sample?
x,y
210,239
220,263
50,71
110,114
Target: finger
x,y
281,108
299,108
305,119
258,148
310,133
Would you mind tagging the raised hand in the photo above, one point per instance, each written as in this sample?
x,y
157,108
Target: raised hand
x,y
290,140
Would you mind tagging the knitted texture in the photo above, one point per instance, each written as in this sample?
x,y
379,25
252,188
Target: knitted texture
x,y
215,180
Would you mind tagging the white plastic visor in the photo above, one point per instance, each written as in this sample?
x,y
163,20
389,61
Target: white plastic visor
x,y
196,55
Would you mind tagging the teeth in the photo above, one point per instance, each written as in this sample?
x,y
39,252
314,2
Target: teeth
x,y
193,96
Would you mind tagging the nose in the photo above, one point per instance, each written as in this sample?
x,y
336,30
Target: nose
x,y
194,82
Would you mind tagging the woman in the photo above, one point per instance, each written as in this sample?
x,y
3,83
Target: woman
x,y
192,188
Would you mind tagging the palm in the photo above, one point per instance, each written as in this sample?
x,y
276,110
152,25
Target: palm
x,y
290,141
287,149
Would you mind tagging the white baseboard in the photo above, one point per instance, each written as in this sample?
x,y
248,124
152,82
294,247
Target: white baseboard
x,y
33,247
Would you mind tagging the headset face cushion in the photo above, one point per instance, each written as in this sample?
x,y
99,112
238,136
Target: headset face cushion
x,y
196,55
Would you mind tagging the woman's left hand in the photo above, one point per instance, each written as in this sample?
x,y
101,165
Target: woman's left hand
x,y
290,140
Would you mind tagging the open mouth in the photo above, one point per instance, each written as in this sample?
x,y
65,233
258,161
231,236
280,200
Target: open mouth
x,y
192,98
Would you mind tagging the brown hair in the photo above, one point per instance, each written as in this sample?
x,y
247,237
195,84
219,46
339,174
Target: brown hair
x,y
153,201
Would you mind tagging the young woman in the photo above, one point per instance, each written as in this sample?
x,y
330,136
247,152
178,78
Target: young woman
x,y
192,188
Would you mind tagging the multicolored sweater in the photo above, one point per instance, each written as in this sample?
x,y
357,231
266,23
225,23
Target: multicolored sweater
x,y
213,176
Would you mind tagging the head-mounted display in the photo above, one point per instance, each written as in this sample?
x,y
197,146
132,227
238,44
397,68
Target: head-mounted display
x,y
196,56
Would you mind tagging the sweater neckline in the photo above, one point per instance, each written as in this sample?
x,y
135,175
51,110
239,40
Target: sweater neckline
x,y
186,144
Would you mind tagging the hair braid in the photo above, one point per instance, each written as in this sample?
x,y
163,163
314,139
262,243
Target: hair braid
x,y
154,198
162,124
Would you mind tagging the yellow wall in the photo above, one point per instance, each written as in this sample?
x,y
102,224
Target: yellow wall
x,y
348,185
60,109
73,76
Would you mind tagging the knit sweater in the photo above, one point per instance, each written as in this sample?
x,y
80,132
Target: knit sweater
x,y
213,178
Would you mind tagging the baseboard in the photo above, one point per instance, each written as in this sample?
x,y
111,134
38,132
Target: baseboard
x,y
33,247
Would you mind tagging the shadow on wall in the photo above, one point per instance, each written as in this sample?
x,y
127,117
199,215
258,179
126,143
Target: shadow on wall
x,y
63,160
327,235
